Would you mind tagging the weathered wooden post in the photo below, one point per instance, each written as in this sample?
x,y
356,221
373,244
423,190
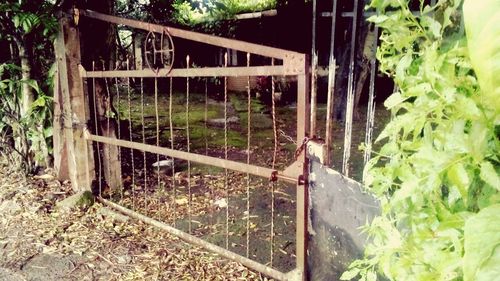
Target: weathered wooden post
x,y
73,154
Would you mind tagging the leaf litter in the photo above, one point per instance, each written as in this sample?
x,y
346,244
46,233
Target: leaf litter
x,y
99,247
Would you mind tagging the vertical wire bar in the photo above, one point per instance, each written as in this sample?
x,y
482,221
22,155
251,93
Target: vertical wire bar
x,y
172,146
118,118
132,162
157,117
96,121
226,187
188,148
275,152
350,95
144,141
206,117
370,116
107,116
314,73
205,134
331,88
249,137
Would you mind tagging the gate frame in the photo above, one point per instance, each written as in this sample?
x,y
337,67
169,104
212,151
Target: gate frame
x,y
79,139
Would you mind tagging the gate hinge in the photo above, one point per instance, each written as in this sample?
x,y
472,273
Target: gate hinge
x,y
293,173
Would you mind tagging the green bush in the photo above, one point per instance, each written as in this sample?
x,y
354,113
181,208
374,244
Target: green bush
x,y
437,174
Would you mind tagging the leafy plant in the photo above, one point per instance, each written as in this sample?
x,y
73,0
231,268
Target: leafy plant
x,y
437,175
25,109
29,136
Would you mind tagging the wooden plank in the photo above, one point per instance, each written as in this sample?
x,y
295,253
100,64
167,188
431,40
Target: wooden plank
x,y
67,49
58,139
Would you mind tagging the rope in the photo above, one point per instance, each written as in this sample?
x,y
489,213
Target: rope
x,y
174,187
249,110
144,141
225,155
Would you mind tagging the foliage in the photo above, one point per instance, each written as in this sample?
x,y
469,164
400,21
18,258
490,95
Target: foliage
x,y
29,26
32,131
198,11
437,175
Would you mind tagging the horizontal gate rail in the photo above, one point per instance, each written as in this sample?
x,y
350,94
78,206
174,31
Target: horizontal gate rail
x,y
278,275
190,72
201,159
292,61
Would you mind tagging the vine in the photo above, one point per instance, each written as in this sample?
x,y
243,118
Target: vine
x,y
437,174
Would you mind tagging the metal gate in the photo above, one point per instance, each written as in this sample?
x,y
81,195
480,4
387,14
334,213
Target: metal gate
x,y
161,177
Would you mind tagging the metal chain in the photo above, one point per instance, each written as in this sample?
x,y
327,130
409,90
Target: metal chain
x,y
287,137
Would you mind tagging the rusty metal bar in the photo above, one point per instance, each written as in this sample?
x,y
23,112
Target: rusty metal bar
x,y
303,109
226,175
198,158
191,72
331,88
172,139
198,37
188,148
350,95
143,133
329,112
273,273
314,73
370,115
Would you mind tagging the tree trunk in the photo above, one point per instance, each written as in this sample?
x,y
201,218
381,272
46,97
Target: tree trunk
x,y
27,92
98,50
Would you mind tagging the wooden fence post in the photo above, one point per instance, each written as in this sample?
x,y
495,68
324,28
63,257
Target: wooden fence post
x,y
75,151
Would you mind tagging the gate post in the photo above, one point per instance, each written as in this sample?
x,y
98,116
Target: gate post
x,y
303,124
70,100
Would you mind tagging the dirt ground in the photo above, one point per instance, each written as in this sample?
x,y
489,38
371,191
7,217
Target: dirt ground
x,y
41,242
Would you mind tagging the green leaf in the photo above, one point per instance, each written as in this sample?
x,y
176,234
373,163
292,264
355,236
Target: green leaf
x,y
489,175
490,269
393,100
459,177
483,39
481,241
39,102
350,274
16,21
